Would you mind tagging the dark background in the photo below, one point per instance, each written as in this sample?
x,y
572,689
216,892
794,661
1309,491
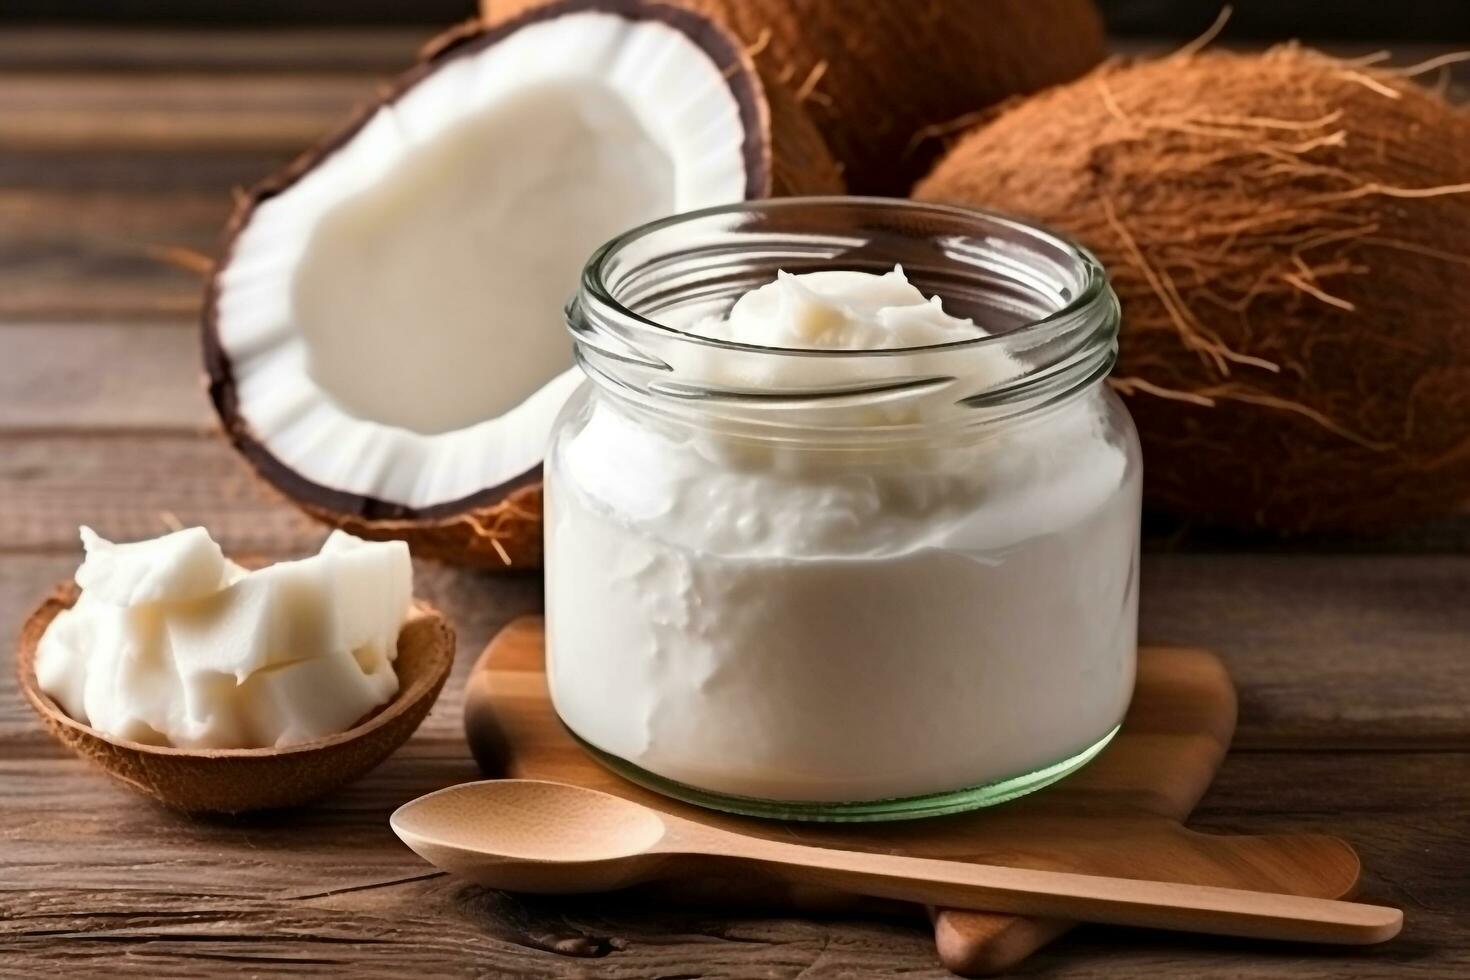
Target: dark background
x,y
1378,20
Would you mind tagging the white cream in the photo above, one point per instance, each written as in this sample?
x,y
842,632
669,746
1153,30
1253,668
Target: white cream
x,y
839,311
796,625
170,643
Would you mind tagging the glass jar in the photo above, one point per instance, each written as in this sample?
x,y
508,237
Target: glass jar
x,y
843,585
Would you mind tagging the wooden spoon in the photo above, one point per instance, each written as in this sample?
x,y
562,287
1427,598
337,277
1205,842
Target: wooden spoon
x,y
237,780
533,836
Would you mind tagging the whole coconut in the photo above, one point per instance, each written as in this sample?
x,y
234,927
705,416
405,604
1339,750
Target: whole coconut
x,y
879,77
1290,237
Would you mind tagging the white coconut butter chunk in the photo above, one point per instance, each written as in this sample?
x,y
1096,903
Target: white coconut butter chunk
x,y
180,566
172,644
839,310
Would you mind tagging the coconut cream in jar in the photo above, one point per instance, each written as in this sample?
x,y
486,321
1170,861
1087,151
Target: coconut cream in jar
x,y
846,524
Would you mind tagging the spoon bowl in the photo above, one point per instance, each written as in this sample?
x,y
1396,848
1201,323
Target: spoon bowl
x,y
241,780
535,836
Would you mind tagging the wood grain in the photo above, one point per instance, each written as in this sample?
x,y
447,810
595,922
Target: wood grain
x,y
84,879
63,377
88,891
53,239
349,48
174,111
100,168
134,486
1307,629
1121,815
1355,701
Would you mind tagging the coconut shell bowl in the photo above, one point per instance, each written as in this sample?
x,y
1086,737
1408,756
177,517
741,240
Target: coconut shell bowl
x,y
206,781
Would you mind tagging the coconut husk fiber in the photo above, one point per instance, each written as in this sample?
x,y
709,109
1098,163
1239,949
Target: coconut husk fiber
x,y
1290,238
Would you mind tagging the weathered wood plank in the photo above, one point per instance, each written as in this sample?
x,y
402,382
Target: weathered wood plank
x,y
1450,534
331,884
1330,650
230,13
171,176
1191,601
339,50
99,169
175,111
69,377
38,290
135,486
38,219
80,253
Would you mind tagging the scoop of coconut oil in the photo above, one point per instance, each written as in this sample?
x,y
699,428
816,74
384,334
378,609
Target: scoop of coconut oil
x,y
762,618
170,643
839,311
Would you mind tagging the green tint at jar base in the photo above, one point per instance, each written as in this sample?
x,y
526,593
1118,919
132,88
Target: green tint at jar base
x,y
870,811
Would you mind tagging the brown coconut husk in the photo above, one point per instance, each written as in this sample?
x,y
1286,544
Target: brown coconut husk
x,y
881,77
1290,238
500,530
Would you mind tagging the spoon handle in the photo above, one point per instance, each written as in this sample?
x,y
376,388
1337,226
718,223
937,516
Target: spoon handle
x,y
1064,895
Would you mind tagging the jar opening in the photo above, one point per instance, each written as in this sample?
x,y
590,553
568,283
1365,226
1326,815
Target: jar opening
x,y
1042,301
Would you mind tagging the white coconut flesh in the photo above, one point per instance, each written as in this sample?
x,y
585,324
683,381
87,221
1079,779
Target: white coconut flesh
x,y
393,318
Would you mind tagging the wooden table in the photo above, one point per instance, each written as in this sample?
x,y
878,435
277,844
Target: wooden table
x,y
1353,660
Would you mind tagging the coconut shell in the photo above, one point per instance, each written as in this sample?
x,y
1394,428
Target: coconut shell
x,y
1289,235
502,533
240,780
500,527
883,78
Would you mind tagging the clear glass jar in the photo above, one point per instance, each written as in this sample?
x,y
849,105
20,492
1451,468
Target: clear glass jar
x,y
843,585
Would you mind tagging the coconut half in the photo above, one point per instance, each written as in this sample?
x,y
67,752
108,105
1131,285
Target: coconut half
x,y
383,337
885,80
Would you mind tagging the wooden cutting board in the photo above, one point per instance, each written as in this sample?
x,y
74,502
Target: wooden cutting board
x,y
1120,815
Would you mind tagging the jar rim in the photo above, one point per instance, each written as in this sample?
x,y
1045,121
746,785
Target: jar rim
x,y
1095,286
1057,315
